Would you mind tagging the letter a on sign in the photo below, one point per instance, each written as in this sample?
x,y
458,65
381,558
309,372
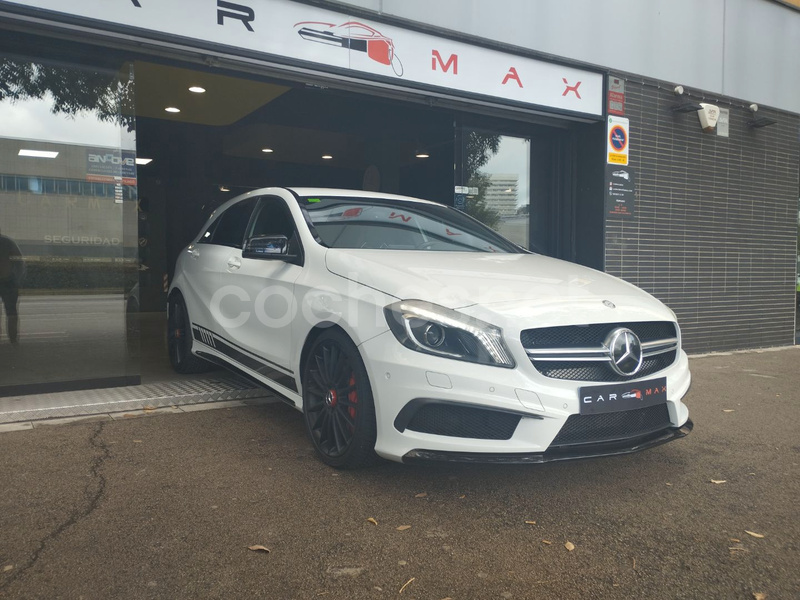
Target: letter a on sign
x,y
512,74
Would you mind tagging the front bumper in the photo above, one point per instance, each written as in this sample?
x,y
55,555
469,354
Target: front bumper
x,y
574,453
400,377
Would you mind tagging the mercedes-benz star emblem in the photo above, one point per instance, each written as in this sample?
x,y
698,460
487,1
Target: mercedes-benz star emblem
x,y
625,351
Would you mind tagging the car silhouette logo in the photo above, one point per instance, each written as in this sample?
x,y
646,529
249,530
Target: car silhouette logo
x,y
624,174
632,395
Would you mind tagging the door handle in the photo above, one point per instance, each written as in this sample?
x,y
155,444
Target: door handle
x,y
234,263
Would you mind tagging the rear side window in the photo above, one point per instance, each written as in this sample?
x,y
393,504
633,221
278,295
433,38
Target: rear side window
x,y
229,228
206,237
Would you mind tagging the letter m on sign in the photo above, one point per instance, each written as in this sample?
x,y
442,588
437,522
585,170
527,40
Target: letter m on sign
x,y
444,66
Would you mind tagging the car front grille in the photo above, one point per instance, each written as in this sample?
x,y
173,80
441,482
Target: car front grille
x,y
595,371
578,352
464,422
608,427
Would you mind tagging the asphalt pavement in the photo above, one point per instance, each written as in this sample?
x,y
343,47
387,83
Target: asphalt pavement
x,y
167,506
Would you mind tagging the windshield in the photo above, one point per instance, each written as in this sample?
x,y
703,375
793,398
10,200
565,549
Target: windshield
x,y
373,223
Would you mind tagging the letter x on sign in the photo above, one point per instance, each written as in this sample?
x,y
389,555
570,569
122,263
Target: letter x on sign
x,y
571,88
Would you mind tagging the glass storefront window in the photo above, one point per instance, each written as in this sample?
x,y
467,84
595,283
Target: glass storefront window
x,y
67,225
497,173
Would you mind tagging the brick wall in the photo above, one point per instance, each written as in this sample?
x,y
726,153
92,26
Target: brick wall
x,y
715,226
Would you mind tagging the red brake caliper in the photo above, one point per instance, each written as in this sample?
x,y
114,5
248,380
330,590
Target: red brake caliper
x,y
352,396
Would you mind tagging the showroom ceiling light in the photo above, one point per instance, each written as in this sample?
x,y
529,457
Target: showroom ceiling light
x,y
267,150
223,188
172,109
196,89
143,161
326,157
422,155
38,153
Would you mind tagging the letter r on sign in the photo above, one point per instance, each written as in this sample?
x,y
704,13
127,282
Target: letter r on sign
x,y
242,13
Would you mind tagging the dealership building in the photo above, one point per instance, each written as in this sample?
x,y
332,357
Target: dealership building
x,y
656,141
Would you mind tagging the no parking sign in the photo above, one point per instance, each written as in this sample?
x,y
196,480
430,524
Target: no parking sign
x,y
617,141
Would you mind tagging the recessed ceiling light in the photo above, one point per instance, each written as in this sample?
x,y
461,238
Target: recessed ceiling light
x,y
326,157
423,155
172,109
197,89
267,150
222,188
38,153
143,161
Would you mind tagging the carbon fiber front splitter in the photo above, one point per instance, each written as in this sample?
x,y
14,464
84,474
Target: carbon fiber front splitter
x,y
575,452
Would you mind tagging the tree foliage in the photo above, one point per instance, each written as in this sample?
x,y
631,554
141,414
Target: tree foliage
x,y
480,147
71,90
476,205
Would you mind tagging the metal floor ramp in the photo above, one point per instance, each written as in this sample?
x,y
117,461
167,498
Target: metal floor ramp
x,y
216,388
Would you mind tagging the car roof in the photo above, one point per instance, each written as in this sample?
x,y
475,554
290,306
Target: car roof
x,y
342,193
325,192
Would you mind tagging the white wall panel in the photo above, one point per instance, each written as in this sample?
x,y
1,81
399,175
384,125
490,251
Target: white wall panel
x,y
762,64
748,49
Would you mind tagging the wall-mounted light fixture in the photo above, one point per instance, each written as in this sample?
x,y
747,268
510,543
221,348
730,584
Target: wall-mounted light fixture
x,y
684,105
757,121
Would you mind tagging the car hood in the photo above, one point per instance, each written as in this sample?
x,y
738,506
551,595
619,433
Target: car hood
x,y
518,286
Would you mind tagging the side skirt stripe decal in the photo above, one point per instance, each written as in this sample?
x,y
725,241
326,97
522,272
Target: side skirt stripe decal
x,y
259,365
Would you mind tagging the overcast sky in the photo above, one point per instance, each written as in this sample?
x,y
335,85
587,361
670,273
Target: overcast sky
x,y
34,120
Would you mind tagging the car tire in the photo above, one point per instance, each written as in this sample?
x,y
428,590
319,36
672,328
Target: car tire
x,y
338,407
179,339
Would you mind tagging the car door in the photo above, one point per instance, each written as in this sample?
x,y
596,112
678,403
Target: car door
x,y
215,300
268,282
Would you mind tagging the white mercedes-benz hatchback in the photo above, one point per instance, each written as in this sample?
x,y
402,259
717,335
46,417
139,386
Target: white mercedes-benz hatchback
x,y
405,329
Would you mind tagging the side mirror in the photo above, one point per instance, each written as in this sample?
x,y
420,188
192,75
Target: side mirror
x,y
269,247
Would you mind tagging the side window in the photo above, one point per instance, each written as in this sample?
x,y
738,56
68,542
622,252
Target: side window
x,y
209,234
230,227
273,218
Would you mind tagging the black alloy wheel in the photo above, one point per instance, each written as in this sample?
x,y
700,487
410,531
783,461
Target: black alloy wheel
x,y
337,403
179,339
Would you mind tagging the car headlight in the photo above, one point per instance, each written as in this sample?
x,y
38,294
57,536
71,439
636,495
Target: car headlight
x,y
440,331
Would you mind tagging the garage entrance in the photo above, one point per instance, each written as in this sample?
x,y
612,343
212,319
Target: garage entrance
x,y
128,156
